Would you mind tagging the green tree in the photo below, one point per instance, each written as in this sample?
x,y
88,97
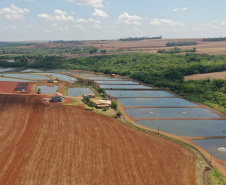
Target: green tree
x,y
92,104
114,104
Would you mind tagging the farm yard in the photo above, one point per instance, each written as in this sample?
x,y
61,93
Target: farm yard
x,y
68,145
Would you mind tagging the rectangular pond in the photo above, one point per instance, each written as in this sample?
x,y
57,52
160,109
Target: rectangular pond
x,y
171,113
87,74
47,89
117,82
155,102
187,127
77,91
6,69
133,93
14,80
28,76
61,76
125,87
216,146
31,70
106,78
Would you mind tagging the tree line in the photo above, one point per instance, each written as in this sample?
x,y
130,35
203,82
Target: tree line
x,y
214,39
139,38
176,50
170,44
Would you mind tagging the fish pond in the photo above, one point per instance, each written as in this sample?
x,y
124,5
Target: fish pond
x,y
60,76
15,80
31,70
133,93
6,69
125,87
77,91
171,113
155,102
27,76
216,146
187,127
105,78
117,82
47,89
87,74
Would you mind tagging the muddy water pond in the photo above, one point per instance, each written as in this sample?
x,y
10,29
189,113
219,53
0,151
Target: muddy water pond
x,y
28,76
77,91
171,113
125,87
216,146
187,127
105,78
60,76
133,93
117,82
47,89
155,102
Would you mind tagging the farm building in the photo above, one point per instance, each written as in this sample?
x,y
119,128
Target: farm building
x,y
58,97
90,95
71,81
103,103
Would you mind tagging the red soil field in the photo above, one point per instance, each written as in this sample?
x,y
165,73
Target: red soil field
x,y
54,144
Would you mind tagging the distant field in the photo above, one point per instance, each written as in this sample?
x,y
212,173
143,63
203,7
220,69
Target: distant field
x,y
212,76
145,46
56,144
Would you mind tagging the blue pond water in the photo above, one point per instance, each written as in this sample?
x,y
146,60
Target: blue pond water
x,y
132,93
77,91
6,69
105,78
155,102
60,76
187,127
31,70
216,146
14,80
171,113
28,76
125,87
48,89
116,82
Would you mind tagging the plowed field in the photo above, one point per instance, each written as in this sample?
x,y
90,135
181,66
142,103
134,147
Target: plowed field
x,y
42,144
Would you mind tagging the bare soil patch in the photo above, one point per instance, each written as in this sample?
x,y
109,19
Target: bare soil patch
x,y
55,144
211,76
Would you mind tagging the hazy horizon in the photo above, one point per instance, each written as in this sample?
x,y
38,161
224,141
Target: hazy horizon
x,y
38,20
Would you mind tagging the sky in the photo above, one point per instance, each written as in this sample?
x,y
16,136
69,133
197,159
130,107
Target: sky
x,y
29,20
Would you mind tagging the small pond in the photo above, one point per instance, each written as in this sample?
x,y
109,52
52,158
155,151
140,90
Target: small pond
x,y
133,93
171,113
28,76
117,82
60,76
187,127
77,91
125,87
216,146
155,102
10,60
47,89
106,78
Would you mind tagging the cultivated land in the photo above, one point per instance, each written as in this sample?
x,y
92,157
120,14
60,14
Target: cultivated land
x,y
144,46
211,76
42,144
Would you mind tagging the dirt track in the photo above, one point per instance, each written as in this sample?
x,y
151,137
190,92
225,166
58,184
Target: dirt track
x,y
68,145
